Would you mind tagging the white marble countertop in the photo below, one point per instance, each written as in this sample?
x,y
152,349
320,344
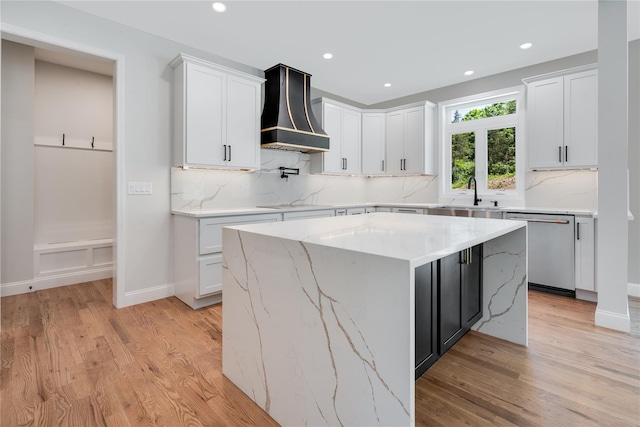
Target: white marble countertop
x,y
294,208
416,238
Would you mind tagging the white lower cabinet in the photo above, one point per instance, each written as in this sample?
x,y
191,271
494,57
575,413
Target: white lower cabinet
x,y
197,255
584,254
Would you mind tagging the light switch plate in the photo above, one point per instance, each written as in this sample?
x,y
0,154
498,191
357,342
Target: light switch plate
x,y
140,188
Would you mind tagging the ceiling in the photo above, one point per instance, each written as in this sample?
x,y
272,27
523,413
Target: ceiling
x,y
414,45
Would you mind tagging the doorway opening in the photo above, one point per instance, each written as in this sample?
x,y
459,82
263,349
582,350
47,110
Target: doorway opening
x,y
65,229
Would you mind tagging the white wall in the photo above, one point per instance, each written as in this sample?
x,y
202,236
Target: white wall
x,y
73,188
75,102
17,162
73,195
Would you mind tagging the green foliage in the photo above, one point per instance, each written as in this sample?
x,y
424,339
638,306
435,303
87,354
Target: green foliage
x,y
493,110
461,172
502,151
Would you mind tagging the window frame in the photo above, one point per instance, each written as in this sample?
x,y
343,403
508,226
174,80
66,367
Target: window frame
x,y
480,127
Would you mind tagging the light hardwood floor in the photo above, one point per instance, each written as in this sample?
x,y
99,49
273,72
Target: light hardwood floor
x,y
70,359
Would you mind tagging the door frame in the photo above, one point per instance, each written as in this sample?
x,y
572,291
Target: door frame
x,y
46,41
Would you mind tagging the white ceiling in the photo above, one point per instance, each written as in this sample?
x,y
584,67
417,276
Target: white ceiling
x,y
414,45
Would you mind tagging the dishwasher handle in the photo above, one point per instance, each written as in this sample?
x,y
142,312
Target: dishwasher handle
x,y
545,221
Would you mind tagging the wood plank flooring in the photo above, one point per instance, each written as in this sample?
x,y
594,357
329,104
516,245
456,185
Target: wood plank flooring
x,y
68,358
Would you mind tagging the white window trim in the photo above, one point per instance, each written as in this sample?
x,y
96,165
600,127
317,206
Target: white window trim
x,y
448,195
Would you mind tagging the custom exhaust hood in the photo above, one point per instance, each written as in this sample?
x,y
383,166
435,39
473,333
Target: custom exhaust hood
x,y
288,122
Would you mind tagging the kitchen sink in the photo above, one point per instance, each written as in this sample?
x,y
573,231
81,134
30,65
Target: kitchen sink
x,y
469,211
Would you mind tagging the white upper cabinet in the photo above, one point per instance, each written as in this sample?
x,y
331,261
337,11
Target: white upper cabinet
x,y
581,119
562,121
373,143
343,125
410,140
395,142
216,115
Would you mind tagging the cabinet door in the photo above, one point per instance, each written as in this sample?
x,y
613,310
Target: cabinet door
x,y
395,142
205,116
450,324
414,140
584,254
471,282
581,119
351,141
243,126
373,143
545,123
210,275
425,319
332,125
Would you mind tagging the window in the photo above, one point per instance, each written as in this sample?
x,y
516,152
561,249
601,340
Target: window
x,y
481,138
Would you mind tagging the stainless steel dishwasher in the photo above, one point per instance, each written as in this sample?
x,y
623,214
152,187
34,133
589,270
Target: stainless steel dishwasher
x,y
550,251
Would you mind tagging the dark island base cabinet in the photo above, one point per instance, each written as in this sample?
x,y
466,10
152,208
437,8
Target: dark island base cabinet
x,y
448,295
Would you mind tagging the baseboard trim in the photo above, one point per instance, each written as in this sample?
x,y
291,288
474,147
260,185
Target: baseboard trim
x,y
617,321
633,289
147,295
48,282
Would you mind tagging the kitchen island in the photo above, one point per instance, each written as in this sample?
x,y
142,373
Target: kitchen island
x,y
319,314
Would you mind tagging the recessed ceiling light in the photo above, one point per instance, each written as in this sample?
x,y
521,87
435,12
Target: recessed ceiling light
x,y
468,73
327,55
525,45
387,85
219,7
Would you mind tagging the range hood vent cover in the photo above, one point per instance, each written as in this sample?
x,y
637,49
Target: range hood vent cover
x,y
288,122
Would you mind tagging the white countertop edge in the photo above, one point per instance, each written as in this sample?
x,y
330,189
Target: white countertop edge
x,y
630,216
205,213
452,246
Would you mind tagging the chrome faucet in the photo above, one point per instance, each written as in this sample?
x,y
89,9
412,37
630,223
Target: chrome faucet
x,y
475,190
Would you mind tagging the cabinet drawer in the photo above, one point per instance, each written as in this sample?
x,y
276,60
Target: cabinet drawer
x,y
288,216
211,229
210,278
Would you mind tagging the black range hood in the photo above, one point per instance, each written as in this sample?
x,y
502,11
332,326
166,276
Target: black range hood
x,y
288,122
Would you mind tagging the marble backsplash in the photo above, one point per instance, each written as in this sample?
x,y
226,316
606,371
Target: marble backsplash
x,y
565,189
196,189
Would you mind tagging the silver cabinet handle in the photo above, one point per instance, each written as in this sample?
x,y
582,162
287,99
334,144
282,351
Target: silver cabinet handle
x,y
560,154
467,257
225,152
229,153
566,153
383,165
544,221
578,230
